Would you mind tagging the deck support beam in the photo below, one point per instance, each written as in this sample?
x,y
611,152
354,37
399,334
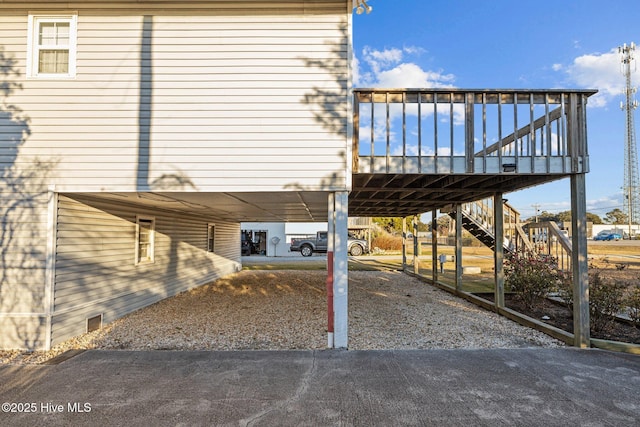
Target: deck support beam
x,y
404,243
434,246
416,258
498,253
458,257
580,262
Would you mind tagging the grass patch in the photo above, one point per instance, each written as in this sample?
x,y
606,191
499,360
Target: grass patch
x,y
611,248
355,264
471,256
480,283
293,265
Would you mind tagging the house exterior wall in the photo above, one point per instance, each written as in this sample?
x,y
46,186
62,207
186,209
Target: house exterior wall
x,y
222,96
95,269
188,96
23,258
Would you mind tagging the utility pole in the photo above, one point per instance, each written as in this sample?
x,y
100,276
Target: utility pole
x,y
537,208
631,186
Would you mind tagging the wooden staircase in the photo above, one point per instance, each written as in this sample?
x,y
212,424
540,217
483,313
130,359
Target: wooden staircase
x,y
477,219
544,237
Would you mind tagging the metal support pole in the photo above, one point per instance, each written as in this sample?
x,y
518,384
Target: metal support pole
x,y
340,271
330,249
458,247
498,221
580,262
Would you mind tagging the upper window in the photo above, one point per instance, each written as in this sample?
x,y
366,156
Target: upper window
x,y
52,46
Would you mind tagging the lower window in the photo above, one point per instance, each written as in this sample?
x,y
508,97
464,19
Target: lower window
x,y
145,237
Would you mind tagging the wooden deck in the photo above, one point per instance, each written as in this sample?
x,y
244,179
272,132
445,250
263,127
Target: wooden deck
x,y
417,150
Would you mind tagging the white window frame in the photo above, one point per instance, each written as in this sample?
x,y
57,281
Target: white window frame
x,y
33,47
211,237
150,258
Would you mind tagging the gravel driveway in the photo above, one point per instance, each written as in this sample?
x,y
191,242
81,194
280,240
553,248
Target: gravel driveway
x,y
279,310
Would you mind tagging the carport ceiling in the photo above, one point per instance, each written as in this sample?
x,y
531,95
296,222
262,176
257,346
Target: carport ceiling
x,y
290,206
372,195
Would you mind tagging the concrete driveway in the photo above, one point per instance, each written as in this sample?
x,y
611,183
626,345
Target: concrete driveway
x,y
521,387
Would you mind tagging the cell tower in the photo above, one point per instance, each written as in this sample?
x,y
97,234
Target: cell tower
x,y
631,181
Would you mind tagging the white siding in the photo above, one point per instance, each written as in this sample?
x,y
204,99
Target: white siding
x,y
23,253
95,271
230,96
208,97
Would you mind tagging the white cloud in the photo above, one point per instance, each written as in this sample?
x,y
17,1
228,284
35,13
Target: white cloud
x,y
379,59
355,71
605,204
598,71
390,68
412,76
394,68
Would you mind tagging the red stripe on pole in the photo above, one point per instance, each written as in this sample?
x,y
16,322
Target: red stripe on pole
x,y
330,291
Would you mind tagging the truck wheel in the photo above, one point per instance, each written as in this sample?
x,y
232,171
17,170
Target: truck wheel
x,y
356,250
306,250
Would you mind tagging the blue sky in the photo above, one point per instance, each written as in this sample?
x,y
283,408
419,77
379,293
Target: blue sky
x,y
519,44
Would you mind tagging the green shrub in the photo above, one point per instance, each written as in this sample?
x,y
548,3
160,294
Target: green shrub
x,y
531,276
565,288
605,300
632,302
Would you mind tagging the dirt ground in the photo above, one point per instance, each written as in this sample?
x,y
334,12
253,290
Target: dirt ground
x,y
287,309
622,269
561,317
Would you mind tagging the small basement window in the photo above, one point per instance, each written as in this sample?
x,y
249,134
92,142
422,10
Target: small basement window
x,y
145,239
211,237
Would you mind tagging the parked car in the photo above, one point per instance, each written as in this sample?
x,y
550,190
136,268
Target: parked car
x,y
608,236
308,246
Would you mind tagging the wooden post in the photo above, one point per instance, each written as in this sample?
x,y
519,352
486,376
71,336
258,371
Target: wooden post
x,y
458,257
498,221
579,261
416,258
469,104
404,243
434,245
577,145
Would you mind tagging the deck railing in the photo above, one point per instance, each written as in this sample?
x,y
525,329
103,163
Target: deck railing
x,y
439,131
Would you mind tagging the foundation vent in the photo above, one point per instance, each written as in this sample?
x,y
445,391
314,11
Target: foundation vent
x,y
94,323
